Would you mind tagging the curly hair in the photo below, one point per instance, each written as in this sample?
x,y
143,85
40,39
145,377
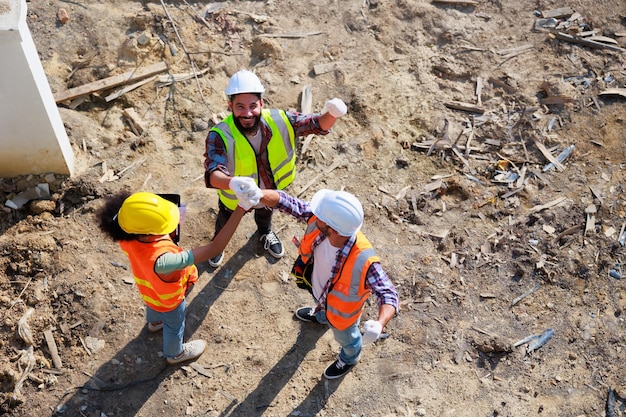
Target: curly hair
x,y
107,217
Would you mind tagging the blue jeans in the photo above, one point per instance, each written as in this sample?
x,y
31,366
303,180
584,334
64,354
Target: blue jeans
x,y
173,328
349,339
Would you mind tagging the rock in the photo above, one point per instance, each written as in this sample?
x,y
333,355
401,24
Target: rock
x,y
63,16
40,206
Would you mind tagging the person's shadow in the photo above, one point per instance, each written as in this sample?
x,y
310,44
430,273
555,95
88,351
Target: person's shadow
x,y
281,373
123,384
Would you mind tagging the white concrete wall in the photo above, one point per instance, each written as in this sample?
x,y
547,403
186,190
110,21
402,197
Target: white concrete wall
x,y
33,139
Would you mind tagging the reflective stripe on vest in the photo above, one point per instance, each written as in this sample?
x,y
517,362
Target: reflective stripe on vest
x,y
157,294
347,295
242,158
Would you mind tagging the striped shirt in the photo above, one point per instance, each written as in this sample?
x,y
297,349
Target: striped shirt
x,y
217,159
376,279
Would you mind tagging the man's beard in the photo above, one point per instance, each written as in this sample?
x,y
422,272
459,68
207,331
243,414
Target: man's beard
x,y
248,130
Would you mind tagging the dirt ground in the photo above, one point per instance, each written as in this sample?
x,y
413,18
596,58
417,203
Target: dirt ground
x,y
484,246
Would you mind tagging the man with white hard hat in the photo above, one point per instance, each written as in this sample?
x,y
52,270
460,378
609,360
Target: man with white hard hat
x,y
338,265
260,145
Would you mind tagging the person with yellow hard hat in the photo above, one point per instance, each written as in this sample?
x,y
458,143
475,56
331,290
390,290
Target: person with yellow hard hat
x,y
260,144
142,224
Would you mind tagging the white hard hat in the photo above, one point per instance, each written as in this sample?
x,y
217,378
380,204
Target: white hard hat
x,y
244,81
339,209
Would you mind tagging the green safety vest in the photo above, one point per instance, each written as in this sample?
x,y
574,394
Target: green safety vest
x,y
281,151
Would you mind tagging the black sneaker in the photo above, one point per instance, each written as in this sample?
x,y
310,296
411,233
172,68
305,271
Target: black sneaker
x,y
216,260
306,314
337,369
272,244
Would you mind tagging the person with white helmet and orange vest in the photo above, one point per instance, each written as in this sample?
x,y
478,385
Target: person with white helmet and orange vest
x,y
338,265
257,143
142,223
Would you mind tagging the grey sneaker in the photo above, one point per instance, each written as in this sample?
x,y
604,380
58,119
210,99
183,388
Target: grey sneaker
x,y
155,326
191,350
216,260
273,245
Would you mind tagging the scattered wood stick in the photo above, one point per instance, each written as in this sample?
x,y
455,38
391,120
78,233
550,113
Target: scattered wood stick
x,y
581,41
463,2
479,330
338,162
458,105
569,231
123,90
526,294
547,205
110,82
52,346
288,35
549,156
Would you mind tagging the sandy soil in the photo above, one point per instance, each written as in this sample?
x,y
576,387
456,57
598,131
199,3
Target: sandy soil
x,y
463,230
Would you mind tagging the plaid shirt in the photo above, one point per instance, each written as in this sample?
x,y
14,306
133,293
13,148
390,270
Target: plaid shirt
x,y
376,279
215,153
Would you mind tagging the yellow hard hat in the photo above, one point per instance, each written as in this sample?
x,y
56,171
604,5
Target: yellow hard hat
x,y
148,214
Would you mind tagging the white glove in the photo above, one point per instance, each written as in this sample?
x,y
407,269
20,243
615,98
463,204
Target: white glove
x,y
371,331
241,184
336,107
246,191
251,198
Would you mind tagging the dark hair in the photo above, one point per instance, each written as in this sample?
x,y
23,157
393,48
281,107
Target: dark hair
x,y
107,217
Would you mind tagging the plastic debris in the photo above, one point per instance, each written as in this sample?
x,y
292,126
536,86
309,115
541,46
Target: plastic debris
x,y
40,192
538,342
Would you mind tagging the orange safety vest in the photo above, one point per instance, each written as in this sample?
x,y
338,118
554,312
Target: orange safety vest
x,y
347,292
156,293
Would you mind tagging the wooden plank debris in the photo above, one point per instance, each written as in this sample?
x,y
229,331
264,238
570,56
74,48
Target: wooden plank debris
x,y
123,90
167,79
52,347
547,205
569,231
511,52
306,100
458,105
614,92
134,121
479,90
557,13
604,39
597,194
110,82
549,156
462,2
201,369
319,69
336,164
590,224
585,42
288,35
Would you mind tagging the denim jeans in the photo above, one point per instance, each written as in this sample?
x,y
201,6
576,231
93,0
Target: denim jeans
x,y
173,328
349,339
